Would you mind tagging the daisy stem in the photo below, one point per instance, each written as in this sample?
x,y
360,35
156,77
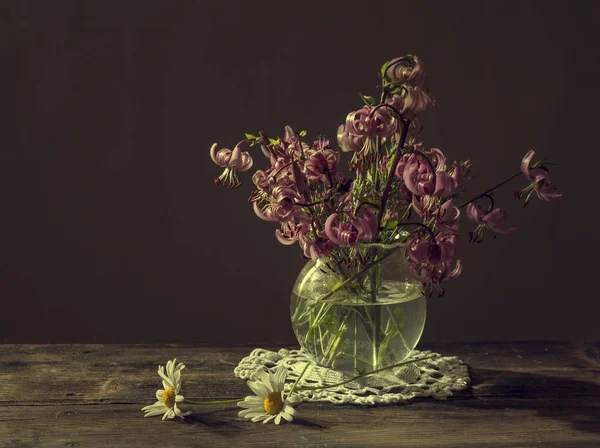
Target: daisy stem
x,y
366,374
208,403
298,379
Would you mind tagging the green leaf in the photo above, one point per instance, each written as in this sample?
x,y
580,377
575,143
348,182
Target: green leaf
x,y
368,100
384,67
274,142
251,137
391,224
302,133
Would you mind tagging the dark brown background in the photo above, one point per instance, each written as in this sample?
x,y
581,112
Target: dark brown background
x,y
111,229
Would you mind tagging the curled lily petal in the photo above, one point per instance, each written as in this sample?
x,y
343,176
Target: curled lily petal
x,y
329,228
259,212
526,161
213,155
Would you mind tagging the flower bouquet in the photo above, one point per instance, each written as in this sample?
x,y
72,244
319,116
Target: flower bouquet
x,y
377,243
379,238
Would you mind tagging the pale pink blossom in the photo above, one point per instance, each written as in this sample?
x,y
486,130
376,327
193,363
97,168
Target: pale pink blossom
x,y
540,181
494,220
321,165
433,275
364,122
347,142
232,161
316,248
408,70
350,233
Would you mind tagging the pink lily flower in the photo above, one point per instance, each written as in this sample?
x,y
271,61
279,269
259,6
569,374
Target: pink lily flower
x,y
411,101
315,249
540,181
448,217
232,161
422,250
408,70
350,233
320,166
493,220
419,177
432,276
349,143
291,231
282,206
360,124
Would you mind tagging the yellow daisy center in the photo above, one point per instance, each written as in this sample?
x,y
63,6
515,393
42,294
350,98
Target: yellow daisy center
x,y
273,403
168,397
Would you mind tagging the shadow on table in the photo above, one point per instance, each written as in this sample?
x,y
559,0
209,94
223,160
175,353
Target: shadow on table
x,y
573,401
230,424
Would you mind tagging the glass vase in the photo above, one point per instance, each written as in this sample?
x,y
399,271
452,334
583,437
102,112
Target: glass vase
x,y
358,314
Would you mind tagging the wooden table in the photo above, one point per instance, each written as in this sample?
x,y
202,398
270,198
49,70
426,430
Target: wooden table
x,y
534,394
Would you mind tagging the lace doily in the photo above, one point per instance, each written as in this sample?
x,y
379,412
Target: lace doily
x,y
436,377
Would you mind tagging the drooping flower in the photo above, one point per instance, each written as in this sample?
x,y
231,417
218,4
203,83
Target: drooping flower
x,y
348,142
361,128
321,165
494,220
448,217
290,231
316,248
540,181
269,403
232,161
350,233
281,207
431,276
169,396
428,176
365,122
406,70
422,249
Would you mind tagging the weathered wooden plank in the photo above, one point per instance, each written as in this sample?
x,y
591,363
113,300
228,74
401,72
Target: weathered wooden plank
x,y
522,394
416,425
81,374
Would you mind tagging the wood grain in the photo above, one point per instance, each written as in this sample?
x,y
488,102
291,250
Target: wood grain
x,y
522,395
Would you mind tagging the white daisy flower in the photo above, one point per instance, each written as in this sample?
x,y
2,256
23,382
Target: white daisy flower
x,y
168,397
269,403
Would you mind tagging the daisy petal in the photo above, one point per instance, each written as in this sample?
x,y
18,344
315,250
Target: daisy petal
x,y
259,418
289,417
153,407
258,388
249,413
154,412
269,418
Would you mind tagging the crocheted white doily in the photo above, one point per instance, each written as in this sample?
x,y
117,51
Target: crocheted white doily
x,y
436,377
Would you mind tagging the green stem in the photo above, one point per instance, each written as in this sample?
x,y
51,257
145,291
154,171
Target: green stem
x,y
367,374
298,379
397,325
490,189
390,179
358,274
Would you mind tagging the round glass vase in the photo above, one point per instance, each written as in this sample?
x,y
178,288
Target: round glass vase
x,y
360,316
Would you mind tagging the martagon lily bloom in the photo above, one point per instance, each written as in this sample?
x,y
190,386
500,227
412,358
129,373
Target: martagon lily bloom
x,y
540,181
494,220
232,161
169,396
269,403
357,230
